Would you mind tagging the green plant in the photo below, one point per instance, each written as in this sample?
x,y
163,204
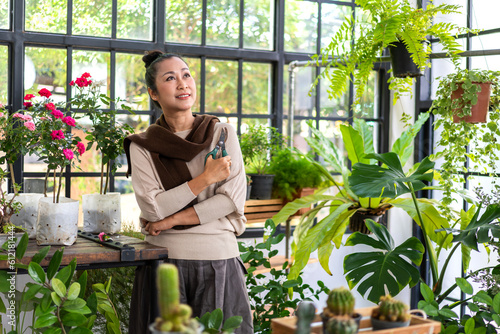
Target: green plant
x,y
174,316
327,233
268,293
385,22
105,133
463,141
341,326
212,322
390,309
340,302
292,172
55,297
258,145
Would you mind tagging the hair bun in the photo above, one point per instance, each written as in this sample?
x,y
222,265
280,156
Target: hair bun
x,y
151,56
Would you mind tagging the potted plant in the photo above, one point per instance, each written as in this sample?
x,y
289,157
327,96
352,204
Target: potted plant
x,y
101,211
386,24
327,233
213,322
390,313
456,97
58,147
339,306
258,145
16,138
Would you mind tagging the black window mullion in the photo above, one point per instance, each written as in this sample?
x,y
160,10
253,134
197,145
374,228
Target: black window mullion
x,y
202,84
242,18
204,23
114,18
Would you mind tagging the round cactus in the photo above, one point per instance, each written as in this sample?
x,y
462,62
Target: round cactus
x,y
340,302
341,326
390,309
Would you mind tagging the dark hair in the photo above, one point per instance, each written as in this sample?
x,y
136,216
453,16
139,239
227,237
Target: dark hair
x,y
151,59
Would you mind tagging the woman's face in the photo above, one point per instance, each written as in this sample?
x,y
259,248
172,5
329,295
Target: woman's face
x,y
175,87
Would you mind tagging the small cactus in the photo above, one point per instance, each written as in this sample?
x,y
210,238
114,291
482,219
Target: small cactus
x,y
390,309
174,316
341,326
340,302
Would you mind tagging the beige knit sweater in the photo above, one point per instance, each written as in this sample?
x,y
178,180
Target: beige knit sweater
x,y
219,208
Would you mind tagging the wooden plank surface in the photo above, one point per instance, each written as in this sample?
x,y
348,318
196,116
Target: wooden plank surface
x,y
89,252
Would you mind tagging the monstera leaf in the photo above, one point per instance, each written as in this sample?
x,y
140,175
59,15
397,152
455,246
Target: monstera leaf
x,y
480,230
389,269
389,181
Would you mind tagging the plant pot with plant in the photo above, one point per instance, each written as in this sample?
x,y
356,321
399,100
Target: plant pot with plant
x,y
339,306
463,138
258,145
386,24
390,313
101,211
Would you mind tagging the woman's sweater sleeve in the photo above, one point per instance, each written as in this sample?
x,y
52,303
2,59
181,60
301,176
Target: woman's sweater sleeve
x,y
148,191
230,194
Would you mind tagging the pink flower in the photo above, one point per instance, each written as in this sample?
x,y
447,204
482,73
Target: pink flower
x,y
57,134
69,120
27,104
50,106
68,153
27,118
29,96
80,147
86,75
30,125
82,82
43,118
45,92
1,114
72,83
104,237
57,114
18,115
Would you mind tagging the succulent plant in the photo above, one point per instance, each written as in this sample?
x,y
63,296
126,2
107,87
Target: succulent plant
x,y
174,316
341,326
340,302
390,309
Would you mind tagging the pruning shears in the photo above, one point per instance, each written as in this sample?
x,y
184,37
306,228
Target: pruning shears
x,y
220,146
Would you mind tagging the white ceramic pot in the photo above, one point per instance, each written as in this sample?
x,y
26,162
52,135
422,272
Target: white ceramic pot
x,y
28,215
57,223
101,213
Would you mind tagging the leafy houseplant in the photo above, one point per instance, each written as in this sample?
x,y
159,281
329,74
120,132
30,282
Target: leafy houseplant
x,y
463,140
213,322
339,207
388,22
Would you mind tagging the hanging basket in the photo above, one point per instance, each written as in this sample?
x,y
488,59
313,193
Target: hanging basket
x,y
101,213
357,222
479,111
401,62
57,223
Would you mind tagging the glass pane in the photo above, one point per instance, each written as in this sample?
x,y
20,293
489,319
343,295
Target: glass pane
x,y
258,24
332,17
301,26
46,15
483,14
195,68
368,108
329,107
139,123
81,186
130,85
459,19
331,130
485,42
256,88
223,22
96,64
92,18
135,19
247,122
45,68
90,161
4,72
4,14
183,21
129,208
303,101
221,87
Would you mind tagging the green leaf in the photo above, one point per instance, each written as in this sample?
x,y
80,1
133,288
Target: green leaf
x,y
4,281
232,323
74,291
215,320
52,330
36,272
426,292
99,287
482,297
56,299
92,303
83,284
74,304
3,309
22,246
73,319
31,292
446,312
374,270
59,287
54,264
40,255
403,146
469,326
464,285
84,310
45,321
496,303
354,145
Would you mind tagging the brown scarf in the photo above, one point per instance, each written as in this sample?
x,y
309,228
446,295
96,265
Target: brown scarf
x,y
169,151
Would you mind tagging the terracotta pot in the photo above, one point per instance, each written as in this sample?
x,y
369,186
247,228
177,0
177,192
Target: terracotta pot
x,y
479,112
301,193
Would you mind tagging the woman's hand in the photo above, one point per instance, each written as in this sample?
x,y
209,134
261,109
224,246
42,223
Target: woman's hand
x,y
217,170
